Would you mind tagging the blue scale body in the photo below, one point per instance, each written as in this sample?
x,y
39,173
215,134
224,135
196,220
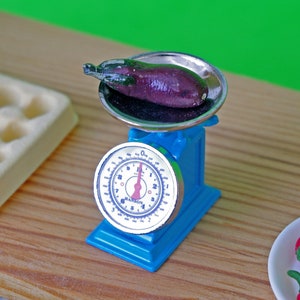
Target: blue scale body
x,y
150,251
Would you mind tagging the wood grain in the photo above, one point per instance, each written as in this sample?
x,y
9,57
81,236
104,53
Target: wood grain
x,y
252,156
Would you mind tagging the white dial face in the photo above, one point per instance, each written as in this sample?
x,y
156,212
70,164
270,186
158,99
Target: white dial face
x,y
136,188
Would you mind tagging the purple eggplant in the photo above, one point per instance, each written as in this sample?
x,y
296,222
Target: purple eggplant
x,y
164,84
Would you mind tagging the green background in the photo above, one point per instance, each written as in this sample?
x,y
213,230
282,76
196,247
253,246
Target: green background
x,y
255,38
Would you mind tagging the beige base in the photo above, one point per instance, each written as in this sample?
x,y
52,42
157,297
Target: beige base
x,y
33,122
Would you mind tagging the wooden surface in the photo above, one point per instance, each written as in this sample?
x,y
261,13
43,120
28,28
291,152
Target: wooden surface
x,y
252,155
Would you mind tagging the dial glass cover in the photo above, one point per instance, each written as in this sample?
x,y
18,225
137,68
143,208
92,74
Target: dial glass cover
x,y
136,187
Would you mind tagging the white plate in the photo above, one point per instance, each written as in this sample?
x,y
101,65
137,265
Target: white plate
x,y
281,259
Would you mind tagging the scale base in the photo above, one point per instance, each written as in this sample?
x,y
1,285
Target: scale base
x,y
150,251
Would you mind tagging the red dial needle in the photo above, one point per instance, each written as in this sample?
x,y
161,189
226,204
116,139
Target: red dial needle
x,y
137,187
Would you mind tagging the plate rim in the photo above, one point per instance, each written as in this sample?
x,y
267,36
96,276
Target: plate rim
x,y
284,237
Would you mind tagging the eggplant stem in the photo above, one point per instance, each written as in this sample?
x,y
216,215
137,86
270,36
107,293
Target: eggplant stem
x,y
92,70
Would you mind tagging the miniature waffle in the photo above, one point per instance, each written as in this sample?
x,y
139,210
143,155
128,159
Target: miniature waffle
x,y
33,122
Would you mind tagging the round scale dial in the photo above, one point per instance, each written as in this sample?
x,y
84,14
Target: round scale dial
x,y
136,187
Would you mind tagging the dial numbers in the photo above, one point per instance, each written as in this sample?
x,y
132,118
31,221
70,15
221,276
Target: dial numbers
x,y
130,192
135,188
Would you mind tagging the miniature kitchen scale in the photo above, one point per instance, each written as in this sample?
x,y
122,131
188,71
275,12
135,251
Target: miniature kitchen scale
x,y
151,189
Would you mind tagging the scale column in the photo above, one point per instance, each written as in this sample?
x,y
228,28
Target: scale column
x,y
186,146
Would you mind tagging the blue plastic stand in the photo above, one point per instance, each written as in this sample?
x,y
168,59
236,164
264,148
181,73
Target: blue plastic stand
x,y
150,251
